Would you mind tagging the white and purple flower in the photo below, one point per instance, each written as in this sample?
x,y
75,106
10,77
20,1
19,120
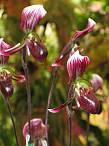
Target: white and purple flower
x,y
30,16
76,65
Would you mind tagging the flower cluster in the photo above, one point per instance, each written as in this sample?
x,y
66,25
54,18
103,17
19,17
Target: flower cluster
x,y
31,15
33,45
85,97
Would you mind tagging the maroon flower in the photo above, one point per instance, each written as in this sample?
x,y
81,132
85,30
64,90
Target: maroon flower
x,y
3,46
96,82
34,46
6,85
37,128
76,65
37,49
87,101
30,16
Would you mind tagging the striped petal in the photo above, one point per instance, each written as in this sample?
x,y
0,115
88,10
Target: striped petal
x,y
30,16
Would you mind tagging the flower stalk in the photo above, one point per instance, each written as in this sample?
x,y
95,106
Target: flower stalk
x,y
88,129
11,117
28,90
69,111
49,97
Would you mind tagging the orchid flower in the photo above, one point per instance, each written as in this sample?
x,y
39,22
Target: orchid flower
x,y
76,65
87,100
30,16
6,85
37,128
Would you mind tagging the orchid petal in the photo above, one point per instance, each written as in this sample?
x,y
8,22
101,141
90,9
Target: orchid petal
x,y
59,108
30,16
89,28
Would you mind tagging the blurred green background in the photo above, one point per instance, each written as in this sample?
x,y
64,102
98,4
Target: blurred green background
x,y
64,17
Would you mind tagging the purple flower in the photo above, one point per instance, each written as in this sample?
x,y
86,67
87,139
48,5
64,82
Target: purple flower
x,y
76,65
96,82
89,28
34,46
30,16
37,128
87,101
37,49
3,46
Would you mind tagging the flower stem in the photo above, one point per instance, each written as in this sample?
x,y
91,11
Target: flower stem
x,y
11,116
25,67
69,111
49,97
88,128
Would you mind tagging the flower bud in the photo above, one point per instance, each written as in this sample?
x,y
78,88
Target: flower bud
x,y
37,129
3,46
89,102
6,86
96,82
30,16
76,65
37,49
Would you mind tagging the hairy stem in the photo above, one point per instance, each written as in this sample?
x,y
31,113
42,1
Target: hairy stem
x,y
88,128
11,116
25,67
49,97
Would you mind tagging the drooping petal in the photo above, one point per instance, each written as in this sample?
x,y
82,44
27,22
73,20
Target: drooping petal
x,y
30,16
3,46
59,108
76,65
11,50
19,78
96,82
89,28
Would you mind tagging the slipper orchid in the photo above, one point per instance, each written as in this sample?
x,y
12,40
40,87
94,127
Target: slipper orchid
x,y
87,100
38,132
6,85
